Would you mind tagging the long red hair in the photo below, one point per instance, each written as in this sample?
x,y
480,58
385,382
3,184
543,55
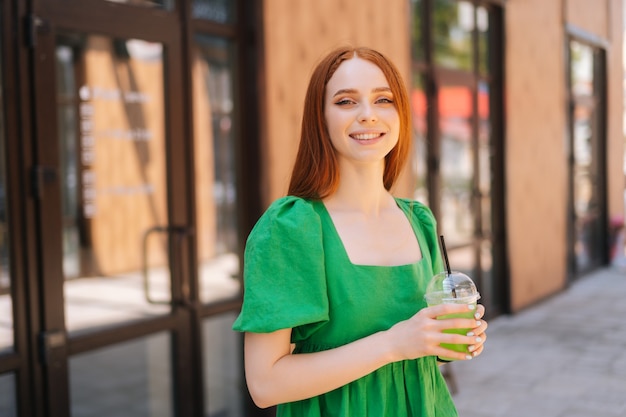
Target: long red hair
x,y
315,174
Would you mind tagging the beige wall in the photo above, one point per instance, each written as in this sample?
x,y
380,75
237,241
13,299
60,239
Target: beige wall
x,y
297,35
536,169
127,172
536,135
615,151
595,19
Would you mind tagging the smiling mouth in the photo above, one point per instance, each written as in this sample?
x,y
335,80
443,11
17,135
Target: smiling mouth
x,y
366,136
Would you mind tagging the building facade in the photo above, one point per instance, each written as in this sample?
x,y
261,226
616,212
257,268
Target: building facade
x,y
140,141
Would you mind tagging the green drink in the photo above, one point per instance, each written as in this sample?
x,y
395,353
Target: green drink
x,y
453,288
456,346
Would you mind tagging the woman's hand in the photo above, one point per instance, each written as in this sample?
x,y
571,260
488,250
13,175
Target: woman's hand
x,y
477,348
422,334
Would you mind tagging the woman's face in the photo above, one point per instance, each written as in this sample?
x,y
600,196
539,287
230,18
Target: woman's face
x,y
361,117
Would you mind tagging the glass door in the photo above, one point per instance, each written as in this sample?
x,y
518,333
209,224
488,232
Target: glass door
x,y
112,212
216,179
587,162
119,246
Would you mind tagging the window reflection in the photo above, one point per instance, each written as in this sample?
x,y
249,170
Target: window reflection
x,y
112,147
464,260
6,305
453,23
485,176
418,107
220,11
581,69
157,4
586,208
417,31
214,149
222,364
8,403
486,284
457,163
586,172
482,24
128,379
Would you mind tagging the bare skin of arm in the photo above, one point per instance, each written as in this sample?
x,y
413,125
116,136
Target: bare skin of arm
x,y
274,375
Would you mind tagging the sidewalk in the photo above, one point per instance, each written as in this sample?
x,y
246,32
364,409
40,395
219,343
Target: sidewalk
x,y
565,357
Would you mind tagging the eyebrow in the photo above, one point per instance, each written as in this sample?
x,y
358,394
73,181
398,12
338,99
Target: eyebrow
x,y
354,91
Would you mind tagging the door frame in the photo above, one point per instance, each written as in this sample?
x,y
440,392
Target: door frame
x,y
18,362
600,46
48,335
40,292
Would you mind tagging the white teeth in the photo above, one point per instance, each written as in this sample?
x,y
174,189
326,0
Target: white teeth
x,y
365,136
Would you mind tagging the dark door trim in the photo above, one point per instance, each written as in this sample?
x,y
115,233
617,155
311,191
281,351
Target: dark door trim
x,y
598,101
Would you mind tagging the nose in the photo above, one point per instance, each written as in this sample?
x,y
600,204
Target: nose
x,y
367,114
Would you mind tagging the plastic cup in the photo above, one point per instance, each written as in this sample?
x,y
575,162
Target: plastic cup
x,y
452,288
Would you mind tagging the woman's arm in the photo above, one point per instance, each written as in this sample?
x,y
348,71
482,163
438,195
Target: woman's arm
x,y
276,376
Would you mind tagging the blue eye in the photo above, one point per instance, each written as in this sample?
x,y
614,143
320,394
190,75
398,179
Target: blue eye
x,y
343,102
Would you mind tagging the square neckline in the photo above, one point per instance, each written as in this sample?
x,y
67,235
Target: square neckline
x,y
407,213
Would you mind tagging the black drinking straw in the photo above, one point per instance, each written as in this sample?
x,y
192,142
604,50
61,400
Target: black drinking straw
x,y
445,257
445,254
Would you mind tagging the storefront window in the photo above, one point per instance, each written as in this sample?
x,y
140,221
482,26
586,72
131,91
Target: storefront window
x,y
482,24
220,11
485,154
418,107
222,362
457,163
127,379
453,23
457,137
214,151
582,69
8,404
588,142
417,30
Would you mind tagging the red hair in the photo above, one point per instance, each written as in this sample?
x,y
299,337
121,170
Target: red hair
x,y
315,174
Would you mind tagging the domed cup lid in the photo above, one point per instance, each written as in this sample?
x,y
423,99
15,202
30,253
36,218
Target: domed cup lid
x,y
453,287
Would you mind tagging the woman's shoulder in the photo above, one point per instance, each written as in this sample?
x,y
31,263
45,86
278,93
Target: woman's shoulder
x,y
288,214
290,207
291,203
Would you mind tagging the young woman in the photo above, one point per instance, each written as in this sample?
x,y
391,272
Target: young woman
x,y
335,272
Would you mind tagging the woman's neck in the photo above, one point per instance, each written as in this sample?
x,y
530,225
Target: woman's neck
x,y
360,189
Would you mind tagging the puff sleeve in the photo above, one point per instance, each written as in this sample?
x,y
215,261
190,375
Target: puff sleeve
x,y
427,222
284,274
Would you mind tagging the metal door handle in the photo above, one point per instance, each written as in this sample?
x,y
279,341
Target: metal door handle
x,y
179,232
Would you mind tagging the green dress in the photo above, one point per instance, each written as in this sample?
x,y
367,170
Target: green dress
x,y
297,275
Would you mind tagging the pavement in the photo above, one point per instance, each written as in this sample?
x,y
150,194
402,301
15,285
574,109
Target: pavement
x,y
563,357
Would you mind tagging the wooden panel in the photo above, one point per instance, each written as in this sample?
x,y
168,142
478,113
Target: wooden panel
x,y
615,117
123,157
297,34
536,165
591,16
